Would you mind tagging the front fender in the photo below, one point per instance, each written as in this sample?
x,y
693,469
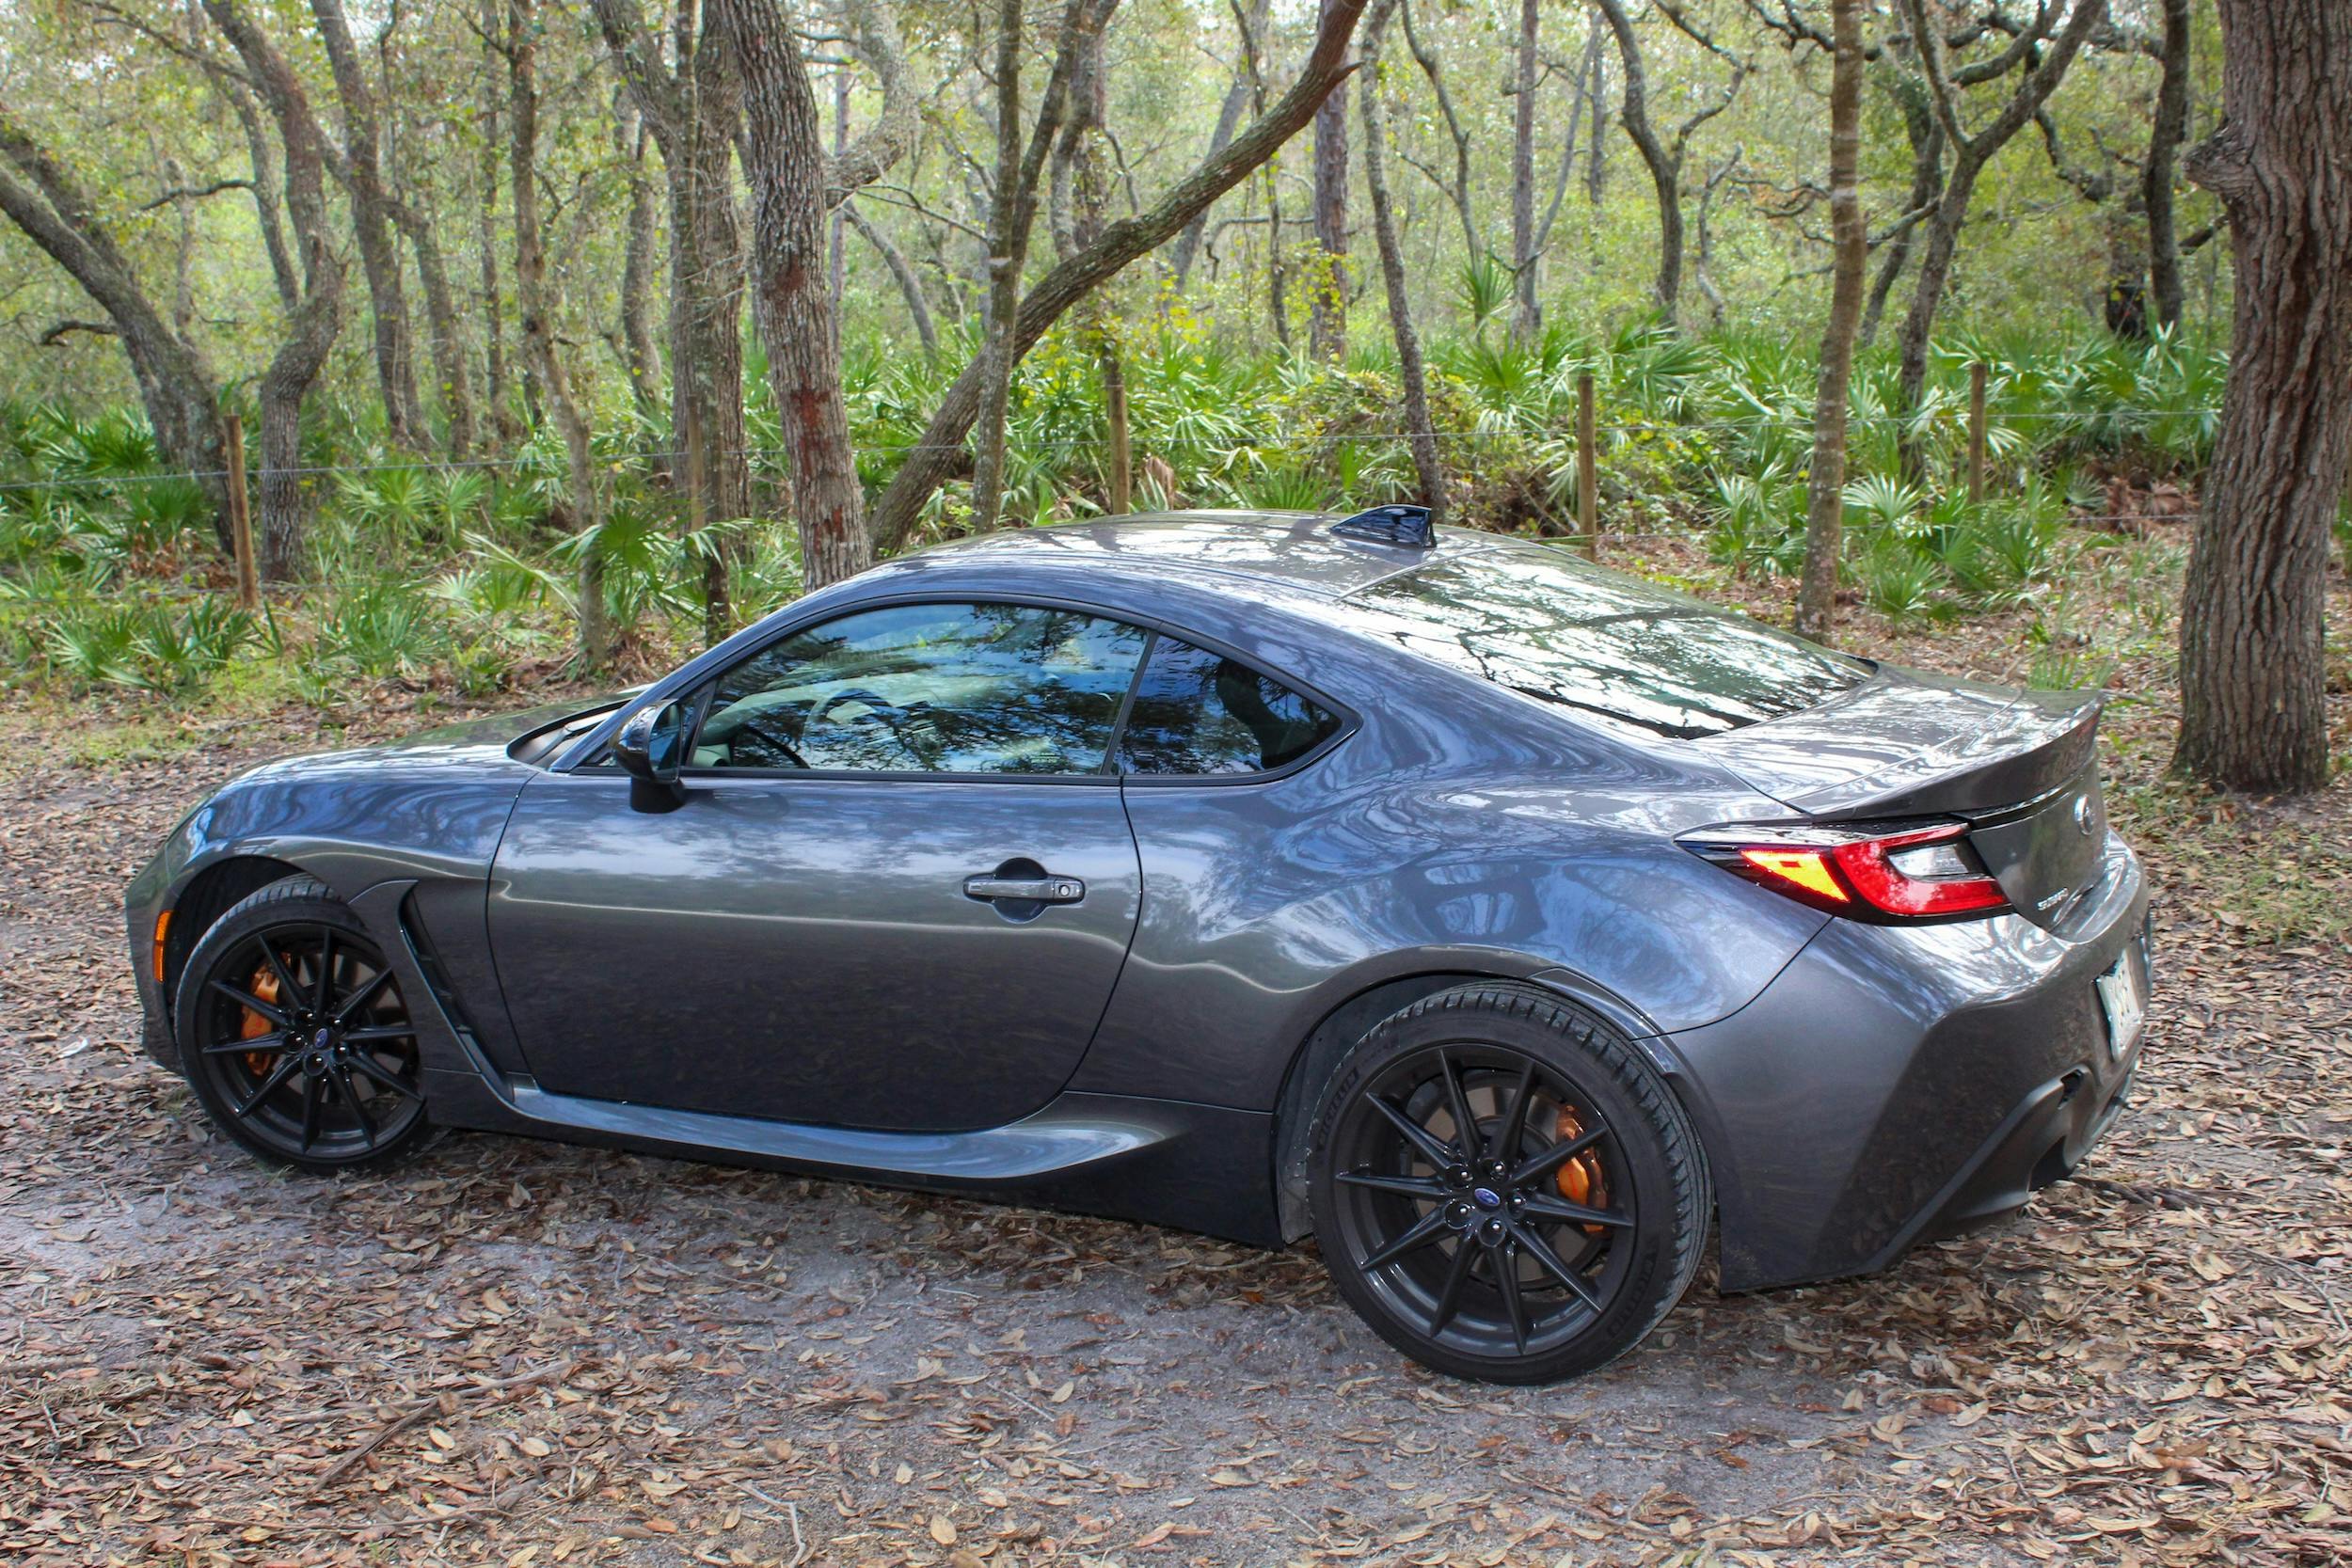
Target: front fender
x,y
428,817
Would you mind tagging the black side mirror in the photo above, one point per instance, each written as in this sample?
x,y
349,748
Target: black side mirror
x,y
650,748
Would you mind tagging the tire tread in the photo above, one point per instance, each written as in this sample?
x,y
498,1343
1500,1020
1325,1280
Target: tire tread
x,y
302,890
1600,1043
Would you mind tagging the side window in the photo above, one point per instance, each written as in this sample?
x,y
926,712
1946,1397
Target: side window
x,y
927,689
1198,712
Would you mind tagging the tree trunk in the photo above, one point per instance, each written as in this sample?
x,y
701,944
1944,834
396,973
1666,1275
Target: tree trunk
x,y
932,458
2165,132
1596,170
690,106
1013,216
1702,253
793,185
836,248
538,324
1527,320
494,390
315,321
1665,168
175,382
1459,192
707,284
1005,251
361,170
1926,179
1927,294
637,278
1091,97
2253,684
268,191
1227,118
1576,87
1428,464
182,250
448,343
1816,596
1326,316
902,273
785,160
1252,26
1970,153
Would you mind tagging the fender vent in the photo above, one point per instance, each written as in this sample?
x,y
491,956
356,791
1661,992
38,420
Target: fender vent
x,y
429,965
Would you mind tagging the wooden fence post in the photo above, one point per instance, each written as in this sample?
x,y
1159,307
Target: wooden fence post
x,y
240,516
1975,433
1587,468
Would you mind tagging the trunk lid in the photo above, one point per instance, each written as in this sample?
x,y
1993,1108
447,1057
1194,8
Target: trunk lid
x,y
2019,767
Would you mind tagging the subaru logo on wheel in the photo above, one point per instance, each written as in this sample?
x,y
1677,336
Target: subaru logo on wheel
x,y
1487,1197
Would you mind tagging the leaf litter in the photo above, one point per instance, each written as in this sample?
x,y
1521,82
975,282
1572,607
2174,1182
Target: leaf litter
x,y
514,1352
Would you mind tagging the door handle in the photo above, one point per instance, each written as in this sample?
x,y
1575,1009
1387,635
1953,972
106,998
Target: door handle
x,y
1025,889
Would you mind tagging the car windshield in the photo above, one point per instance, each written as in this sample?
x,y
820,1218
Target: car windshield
x,y
1566,632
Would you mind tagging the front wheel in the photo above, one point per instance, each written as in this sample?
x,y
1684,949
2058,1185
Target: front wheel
x,y
1504,1188
295,1036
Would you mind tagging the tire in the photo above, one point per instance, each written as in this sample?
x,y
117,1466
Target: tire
x,y
320,1088
1551,1248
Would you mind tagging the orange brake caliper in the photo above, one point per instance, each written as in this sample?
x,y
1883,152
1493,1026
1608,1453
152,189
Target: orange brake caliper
x,y
265,987
1581,1180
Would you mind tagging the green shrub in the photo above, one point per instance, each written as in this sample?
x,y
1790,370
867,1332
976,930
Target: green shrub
x,y
1896,580
147,646
380,628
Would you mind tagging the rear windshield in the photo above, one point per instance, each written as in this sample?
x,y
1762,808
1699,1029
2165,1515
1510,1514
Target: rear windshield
x,y
1568,632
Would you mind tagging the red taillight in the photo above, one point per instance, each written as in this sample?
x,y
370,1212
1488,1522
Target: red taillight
x,y
1920,873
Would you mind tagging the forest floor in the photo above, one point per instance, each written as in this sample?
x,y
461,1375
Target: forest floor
x,y
512,1351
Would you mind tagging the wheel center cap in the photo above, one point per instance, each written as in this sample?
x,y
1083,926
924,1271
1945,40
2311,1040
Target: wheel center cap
x,y
324,1038
1487,1198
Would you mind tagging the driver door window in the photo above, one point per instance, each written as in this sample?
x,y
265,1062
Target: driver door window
x,y
990,689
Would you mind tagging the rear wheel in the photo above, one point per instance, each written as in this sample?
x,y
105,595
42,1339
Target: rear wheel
x,y
1504,1188
295,1034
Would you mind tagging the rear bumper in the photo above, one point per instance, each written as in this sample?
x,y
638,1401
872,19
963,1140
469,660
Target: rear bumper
x,y
2041,1142
1898,1083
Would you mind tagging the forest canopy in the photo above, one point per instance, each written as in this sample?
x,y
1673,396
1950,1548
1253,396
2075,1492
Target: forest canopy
x,y
642,315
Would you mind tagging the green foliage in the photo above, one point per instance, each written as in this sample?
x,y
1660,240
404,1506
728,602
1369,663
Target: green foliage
x,y
143,644
1758,523
380,628
1898,581
423,571
1483,291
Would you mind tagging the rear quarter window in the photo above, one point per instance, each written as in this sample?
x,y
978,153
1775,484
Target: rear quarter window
x,y
1196,712
1580,637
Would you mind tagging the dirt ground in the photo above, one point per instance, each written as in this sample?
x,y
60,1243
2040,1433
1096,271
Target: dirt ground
x,y
516,1353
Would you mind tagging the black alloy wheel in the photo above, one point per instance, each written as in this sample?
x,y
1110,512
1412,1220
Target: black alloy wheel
x,y
295,1036
1505,1189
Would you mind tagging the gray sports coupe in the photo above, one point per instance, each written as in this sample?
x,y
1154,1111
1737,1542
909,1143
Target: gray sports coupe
x,y
1499,920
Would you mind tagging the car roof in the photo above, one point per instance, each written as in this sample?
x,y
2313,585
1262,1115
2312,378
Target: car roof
x,y
1282,551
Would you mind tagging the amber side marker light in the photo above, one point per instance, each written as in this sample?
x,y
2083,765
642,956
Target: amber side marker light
x,y
163,929
1807,869
1884,872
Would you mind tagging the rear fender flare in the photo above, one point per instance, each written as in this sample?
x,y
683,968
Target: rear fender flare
x,y
1312,1062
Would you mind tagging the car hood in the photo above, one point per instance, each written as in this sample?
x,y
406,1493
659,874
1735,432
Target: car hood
x,y
503,730
489,739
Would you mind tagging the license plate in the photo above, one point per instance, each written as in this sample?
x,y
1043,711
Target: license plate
x,y
2124,995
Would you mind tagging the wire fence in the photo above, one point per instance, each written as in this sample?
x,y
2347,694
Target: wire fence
x,y
1616,430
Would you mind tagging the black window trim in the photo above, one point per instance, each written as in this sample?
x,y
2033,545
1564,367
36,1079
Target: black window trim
x,y
1106,772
